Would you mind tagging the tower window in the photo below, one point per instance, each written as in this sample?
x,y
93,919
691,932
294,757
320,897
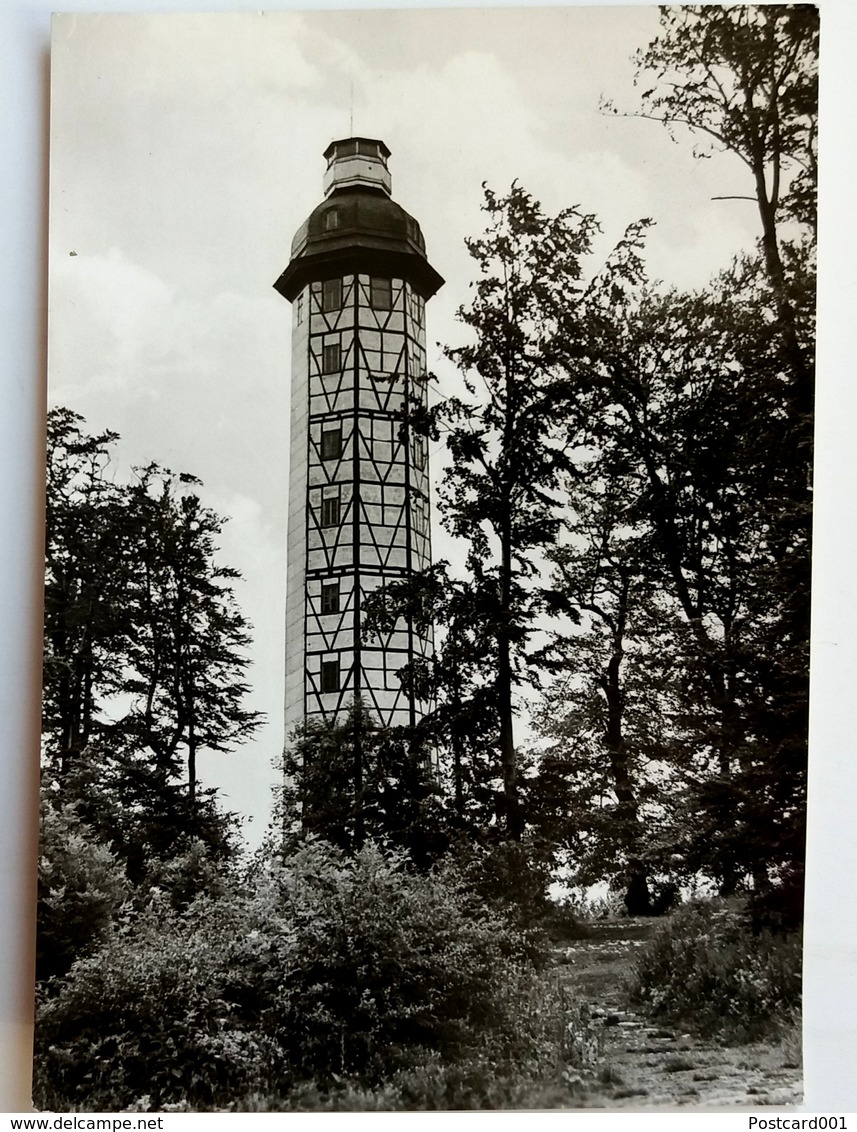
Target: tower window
x,y
331,443
330,358
330,511
380,293
299,310
419,451
330,597
330,676
331,295
331,219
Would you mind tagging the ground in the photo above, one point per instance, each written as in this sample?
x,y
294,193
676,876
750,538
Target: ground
x,y
640,1063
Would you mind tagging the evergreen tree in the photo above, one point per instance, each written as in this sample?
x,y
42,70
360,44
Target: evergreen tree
x,y
144,650
392,801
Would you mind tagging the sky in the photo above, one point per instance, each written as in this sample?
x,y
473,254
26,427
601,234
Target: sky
x,y
185,150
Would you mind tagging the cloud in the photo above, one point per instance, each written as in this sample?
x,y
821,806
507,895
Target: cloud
x,y
102,311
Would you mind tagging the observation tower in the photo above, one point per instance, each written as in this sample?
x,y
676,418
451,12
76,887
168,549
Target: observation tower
x,y
358,280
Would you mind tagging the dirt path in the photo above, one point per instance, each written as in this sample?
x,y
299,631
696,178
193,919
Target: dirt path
x,y
643,1064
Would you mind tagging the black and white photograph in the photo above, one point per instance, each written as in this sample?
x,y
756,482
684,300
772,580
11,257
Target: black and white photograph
x,y
428,553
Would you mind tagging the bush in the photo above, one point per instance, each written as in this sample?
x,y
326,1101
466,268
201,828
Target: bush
x,y
149,1020
509,876
323,969
707,969
385,966
81,889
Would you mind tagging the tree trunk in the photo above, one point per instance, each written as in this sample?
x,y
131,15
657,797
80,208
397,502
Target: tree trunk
x,y
359,823
793,355
191,760
508,761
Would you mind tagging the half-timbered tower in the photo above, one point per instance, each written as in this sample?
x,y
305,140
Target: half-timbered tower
x,y
358,280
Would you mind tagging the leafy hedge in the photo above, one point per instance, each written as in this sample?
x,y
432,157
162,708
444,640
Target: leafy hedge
x,y
320,970
706,967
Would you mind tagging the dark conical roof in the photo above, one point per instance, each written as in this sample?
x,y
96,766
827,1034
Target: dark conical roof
x,y
358,228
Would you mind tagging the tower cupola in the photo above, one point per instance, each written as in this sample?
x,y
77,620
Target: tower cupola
x,y
357,163
358,226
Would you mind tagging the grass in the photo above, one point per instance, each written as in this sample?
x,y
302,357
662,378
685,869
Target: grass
x,y
678,1064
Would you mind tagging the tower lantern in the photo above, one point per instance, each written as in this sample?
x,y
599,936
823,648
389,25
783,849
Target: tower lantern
x,y
357,161
358,280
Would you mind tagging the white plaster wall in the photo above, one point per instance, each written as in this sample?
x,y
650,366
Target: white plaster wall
x,y
296,536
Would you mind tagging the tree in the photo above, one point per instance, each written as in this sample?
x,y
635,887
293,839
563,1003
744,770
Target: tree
x,y
87,622
392,801
144,647
512,442
706,408
695,421
458,680
82,887
601,723
187,658
515,445
747,77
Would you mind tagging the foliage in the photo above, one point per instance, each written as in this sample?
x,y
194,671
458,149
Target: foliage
x,y
147,1015
187,657
350,779
144,644
705,968
459,680
513,442
144,648
82,888
678,730
510,877
86,621
747,78
318,969
506,452
779,908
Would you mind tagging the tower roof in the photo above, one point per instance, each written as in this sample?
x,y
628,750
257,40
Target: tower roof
x,y
358,227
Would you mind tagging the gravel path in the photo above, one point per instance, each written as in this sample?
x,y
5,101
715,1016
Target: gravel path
x,y
642,1064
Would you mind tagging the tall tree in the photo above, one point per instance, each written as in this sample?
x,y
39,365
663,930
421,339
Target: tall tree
x,y
746,78
707,410
144,645
602,721
88,538
187,659
511,440
516,441
696,419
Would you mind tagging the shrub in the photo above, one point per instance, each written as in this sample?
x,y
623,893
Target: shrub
x,y
81,889
322,970
709,970
385,966
150,1016
509,876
